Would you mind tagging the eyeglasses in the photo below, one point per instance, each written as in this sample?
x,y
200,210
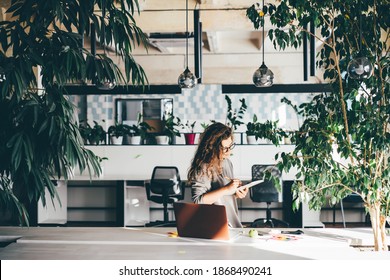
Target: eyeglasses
x,y
227,149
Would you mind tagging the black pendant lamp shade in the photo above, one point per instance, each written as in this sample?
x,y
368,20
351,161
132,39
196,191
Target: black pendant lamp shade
x,y
263,76
360,68
187,79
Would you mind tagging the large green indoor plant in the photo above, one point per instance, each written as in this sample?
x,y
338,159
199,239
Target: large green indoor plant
x,y
342,146
41,51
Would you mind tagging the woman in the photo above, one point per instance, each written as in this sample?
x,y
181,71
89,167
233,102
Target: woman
x,y
211,172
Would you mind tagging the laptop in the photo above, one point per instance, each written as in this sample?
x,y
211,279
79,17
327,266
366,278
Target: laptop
x,y
201,221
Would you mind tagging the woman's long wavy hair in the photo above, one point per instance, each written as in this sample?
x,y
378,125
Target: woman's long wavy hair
x,y
208,156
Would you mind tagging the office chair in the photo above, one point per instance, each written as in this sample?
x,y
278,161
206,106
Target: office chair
x,y
351,198
165,188
265,192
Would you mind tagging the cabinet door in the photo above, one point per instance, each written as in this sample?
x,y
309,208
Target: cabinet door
x,y
136,206
54,212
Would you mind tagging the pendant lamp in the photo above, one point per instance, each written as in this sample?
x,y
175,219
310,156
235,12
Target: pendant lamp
x,y
3,77
263,76
187,79
106,83
360,68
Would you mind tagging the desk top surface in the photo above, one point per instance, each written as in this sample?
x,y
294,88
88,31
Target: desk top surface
x,y
159,243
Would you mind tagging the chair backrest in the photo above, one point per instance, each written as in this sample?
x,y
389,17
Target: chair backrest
x,y
165,179
265,191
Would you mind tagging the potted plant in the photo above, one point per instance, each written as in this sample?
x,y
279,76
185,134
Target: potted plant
x,y
139,132
252,131
97,134
268,132
342,146
189,135
117,131
170,130
85,130
92,135
234,116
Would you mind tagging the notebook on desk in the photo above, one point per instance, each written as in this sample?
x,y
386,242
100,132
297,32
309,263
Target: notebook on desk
x,y
202,221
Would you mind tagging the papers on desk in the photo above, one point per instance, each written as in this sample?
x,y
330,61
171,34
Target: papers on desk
x,y
251,184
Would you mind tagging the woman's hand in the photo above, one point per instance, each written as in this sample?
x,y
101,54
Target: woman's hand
x,y
233,185
241,193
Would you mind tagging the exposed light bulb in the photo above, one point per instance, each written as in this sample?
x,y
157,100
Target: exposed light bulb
x,y
106,84
3,77
263,77
187,79
360,68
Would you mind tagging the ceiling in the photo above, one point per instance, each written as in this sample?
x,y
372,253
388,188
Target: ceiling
x,y
231,47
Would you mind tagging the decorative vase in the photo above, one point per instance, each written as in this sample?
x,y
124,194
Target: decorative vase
x,y
190,138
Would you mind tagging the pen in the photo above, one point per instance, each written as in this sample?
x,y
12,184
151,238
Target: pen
x,y
226,177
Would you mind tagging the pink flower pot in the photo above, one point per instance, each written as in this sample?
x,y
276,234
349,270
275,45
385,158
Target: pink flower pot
x,y
190,138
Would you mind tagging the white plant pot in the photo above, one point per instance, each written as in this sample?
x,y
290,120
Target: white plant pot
x,y
263,141
116,140
162,139
251,139
134,140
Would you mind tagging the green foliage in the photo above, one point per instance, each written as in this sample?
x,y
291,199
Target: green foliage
x,y
234,116
39,137
93,134
268,130
141,128
118,130
189,127
171,125
252,127
343,143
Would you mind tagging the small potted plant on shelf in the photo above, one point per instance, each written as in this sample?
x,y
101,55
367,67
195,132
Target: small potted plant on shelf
x,y
85,130
234,116
190,134
169,131
269,132
92,135
97,134
138,132
252,129
117,132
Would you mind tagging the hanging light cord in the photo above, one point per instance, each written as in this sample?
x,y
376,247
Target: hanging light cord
x,y
263,29
103,27
186,34
360,26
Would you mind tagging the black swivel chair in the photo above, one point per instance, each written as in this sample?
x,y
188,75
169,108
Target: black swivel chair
x,y
265,192
165,188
